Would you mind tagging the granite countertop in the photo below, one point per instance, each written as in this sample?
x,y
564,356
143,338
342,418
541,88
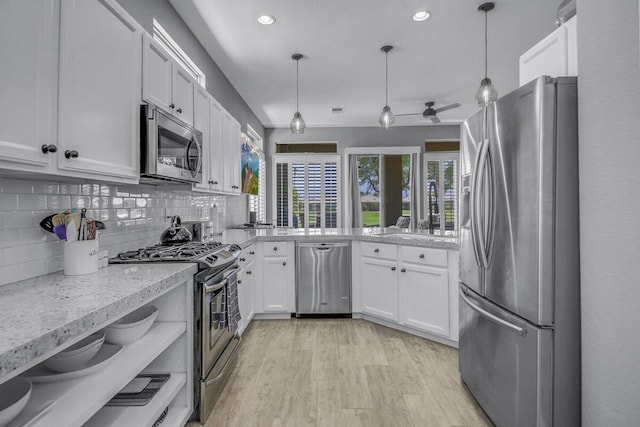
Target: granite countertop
x,y
396,236
40,314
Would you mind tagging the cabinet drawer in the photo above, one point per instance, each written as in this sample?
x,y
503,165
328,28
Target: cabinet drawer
x,y
275,249
424,256
379,250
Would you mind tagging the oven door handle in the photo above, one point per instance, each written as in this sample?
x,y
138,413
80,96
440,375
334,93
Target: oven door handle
x,y
230,272
213,288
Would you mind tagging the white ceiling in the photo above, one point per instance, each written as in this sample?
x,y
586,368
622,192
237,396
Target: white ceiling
x,y
440,59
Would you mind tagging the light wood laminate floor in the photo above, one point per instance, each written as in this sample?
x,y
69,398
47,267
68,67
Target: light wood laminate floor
x,y
343,372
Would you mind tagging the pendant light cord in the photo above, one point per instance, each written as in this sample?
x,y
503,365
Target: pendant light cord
x,y
485,45
386,78
297,84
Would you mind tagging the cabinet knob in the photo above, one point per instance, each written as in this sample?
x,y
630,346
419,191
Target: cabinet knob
x,y
242,260
252,253
49,148
376,250
71,154
284,263
248,271
209,182
393,269
172,105
403,270
179,110
239,282
275,248
421,256
215,183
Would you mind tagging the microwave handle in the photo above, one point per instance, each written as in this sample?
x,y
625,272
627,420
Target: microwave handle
x,y
152,140
199,149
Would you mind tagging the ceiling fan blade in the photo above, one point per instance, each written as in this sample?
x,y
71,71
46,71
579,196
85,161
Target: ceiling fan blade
x,y
434,119
448,107
412,114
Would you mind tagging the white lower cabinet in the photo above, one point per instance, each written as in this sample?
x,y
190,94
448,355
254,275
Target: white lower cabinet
x,y
166,348
407,285
274,280
379,288
424,298
246,280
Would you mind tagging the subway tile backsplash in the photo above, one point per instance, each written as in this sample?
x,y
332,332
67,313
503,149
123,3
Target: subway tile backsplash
x,y
134,215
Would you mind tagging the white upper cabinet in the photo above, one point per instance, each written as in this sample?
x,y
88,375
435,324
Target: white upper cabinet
x,y
165,83
201,122
216,153
157,67
555,55
28,83
100,61
231,142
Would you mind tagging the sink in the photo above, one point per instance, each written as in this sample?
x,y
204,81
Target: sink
x,y
410,236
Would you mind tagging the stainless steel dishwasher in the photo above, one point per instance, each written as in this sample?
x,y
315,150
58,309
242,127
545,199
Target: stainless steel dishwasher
x,y
323,278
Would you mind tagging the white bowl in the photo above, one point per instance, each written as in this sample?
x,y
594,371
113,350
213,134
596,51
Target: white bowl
x,y
132,326
14,395
82,346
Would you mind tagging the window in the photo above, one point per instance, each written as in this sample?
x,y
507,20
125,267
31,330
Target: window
x,y
441,191
258,203
161,36
382,185
307,191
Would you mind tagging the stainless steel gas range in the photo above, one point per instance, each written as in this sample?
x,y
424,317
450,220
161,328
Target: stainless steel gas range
x,y
215,309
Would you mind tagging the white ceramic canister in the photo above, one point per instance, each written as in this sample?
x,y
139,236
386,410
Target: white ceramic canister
x,y
81,257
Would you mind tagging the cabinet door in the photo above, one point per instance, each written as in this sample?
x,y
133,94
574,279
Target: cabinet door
x,y
379,288
424,298
250,279
100,73
156,73
231,142
201,122
548,57
28,82
276,284
216,149
183,85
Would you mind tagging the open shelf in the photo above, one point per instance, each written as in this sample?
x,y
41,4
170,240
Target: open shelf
x,y
140,415
87,395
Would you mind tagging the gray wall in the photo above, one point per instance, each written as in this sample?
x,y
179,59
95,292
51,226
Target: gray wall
x,y
400,136
609,112
144,11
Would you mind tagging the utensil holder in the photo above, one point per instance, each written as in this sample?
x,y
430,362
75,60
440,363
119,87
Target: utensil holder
x,y
81,257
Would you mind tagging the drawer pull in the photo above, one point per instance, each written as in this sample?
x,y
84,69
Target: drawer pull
x,y
284,263
393,269
242,260
403,270
252,253
275,248
48,148
179,110
172,105
239,282
249,272
376,250
421,256
71,154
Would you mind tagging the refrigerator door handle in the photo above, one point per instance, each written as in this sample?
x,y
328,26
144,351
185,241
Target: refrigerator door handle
x,y
490,316
479,174
473,215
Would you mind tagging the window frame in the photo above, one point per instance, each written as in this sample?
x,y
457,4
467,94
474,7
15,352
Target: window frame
x,y
289,159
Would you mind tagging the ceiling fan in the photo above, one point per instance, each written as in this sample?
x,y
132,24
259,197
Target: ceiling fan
x,y
430,112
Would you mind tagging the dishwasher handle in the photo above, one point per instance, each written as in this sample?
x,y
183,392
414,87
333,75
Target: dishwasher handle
x,y
323,245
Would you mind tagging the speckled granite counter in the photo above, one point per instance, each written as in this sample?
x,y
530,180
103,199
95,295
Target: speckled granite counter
x,y
37,315
384,235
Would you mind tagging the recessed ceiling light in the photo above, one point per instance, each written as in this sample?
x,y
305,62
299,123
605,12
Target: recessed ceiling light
x,y
266,19
421,15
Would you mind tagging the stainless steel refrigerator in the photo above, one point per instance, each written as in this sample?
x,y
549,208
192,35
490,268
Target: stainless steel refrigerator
x,y
519,256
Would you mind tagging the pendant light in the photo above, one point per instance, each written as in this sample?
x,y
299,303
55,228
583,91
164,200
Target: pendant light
x,y
487,94
297,124
386,117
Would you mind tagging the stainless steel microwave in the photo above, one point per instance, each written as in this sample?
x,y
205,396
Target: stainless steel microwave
x,y
171,150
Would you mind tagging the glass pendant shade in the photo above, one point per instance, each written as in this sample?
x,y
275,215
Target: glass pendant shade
x,y
297,124
487,94
386,117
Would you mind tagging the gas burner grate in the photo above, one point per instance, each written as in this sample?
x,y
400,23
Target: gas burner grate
x,y
185,252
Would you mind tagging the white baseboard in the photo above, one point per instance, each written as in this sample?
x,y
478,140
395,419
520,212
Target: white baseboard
x,y
271,316
411,331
